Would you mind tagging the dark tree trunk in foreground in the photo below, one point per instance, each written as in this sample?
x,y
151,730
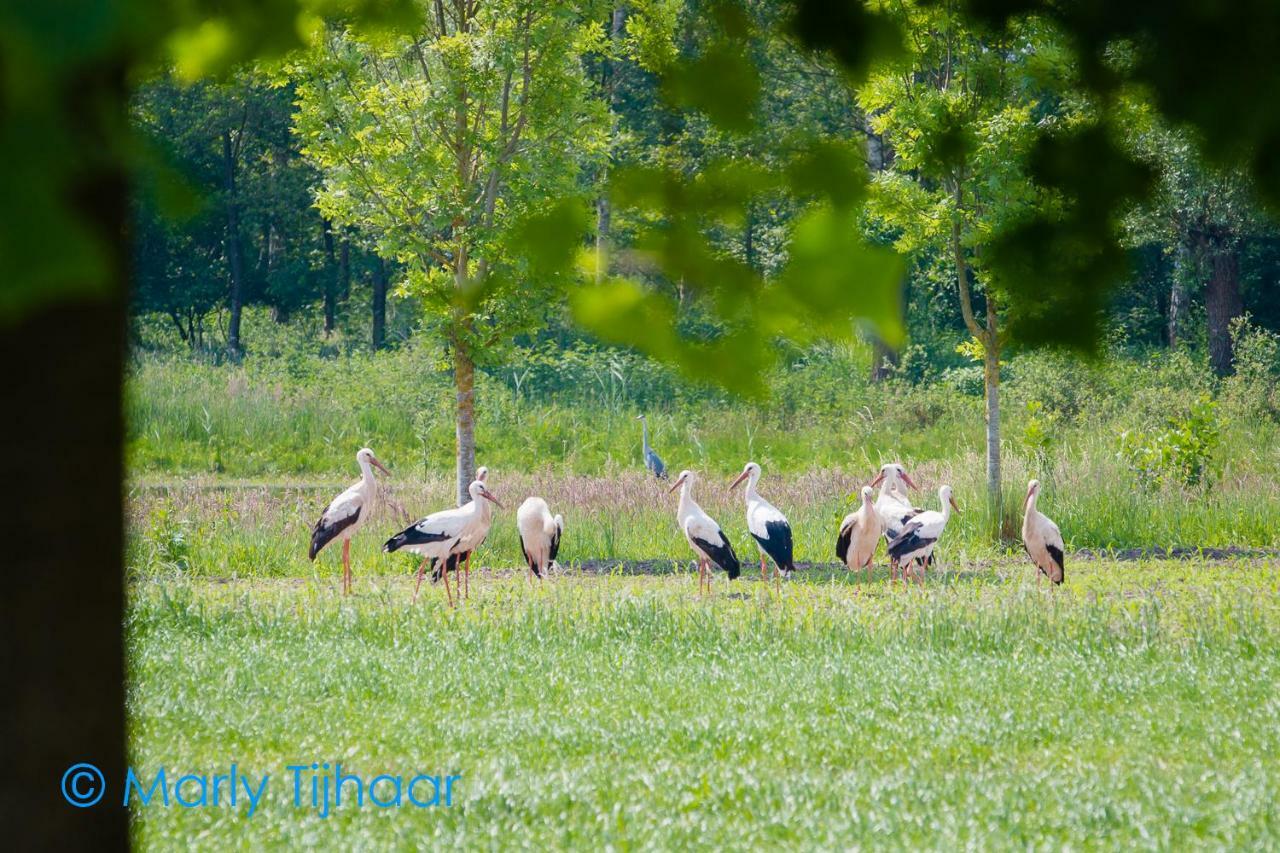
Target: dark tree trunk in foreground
x,y
1223,304
61,611
379,304
235,260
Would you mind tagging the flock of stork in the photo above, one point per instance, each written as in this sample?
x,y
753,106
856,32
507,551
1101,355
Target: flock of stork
x,y
446,539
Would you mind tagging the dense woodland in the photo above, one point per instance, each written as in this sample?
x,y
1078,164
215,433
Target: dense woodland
x,y
375,189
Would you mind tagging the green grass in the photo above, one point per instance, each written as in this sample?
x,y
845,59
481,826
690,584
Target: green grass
x,y
1134,706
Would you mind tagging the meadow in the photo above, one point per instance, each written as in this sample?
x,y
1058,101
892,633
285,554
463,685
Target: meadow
x,y
1133,707
612,707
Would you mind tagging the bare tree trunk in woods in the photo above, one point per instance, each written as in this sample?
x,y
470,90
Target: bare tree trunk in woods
x,y
330,276
344,269
1178,293
62,611
604,210
379,303
464,383
1223,302
235,258
989,337
884,359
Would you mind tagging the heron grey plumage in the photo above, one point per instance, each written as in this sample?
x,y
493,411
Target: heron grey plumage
x,y
651,459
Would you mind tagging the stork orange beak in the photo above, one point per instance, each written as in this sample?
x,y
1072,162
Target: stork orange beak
x,y
376,464
675,485
910,483
953,503
1026,500
735,483
491,496
878,480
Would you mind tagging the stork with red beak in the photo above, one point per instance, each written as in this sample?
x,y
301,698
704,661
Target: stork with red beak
x,y
1042,538
705,536
918,538
767,525
442,536
347,513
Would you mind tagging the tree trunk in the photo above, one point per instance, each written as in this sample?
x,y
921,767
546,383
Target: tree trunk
x,y
62,608
604,209
883,360
1178,293
344,269
1223,304
991,387
330,276
235,259
379,303
464,383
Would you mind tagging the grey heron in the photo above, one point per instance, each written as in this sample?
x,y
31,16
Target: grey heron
x,y
651,459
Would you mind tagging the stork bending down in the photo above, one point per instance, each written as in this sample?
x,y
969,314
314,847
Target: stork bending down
x,y
539,535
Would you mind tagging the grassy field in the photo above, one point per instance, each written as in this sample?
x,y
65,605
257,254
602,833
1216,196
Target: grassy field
x,y
1134,706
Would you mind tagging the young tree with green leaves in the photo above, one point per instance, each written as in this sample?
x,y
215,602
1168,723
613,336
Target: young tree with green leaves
x,y
960,110
439,144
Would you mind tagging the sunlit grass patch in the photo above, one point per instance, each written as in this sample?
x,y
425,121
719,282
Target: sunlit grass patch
x,y
1135,705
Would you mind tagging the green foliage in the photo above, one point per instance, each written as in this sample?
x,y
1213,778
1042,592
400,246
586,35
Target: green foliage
x,y
1181,453
1254,388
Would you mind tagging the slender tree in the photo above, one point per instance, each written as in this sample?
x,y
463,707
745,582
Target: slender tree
x,y
436,145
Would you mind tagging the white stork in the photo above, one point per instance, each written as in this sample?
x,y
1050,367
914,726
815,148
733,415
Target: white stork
x,y
922,532
539,535
1042,538
767,525
859,534
893,504
473,540
347,513
438,536
705,536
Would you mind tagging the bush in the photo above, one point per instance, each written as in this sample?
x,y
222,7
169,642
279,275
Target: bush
x,y
1181,453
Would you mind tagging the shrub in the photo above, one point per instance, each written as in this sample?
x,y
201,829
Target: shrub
x,y
1181,453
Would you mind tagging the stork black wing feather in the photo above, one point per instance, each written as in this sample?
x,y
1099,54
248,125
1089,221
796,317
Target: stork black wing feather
x,y
721,554
412,535
777,544
555,544
1058,557
322,534
843,541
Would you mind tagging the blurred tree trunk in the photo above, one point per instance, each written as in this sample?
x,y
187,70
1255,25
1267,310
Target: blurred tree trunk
x,y
62,611
235,258
1222,299
464,378
379,303
344,268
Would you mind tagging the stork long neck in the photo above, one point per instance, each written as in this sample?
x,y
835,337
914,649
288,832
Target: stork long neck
x,y
946,507
1031,505
687,503
366,475
752,479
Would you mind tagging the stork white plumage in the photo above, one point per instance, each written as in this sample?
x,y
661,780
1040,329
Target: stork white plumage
x,y
705,536
470,542
347,513
921,534
859,534
1042,538
539,535
438,536
767,525
893,504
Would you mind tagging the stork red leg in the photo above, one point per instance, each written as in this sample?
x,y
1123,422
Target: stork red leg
x,y
346,566
467,577
422,568
447,593
764,572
